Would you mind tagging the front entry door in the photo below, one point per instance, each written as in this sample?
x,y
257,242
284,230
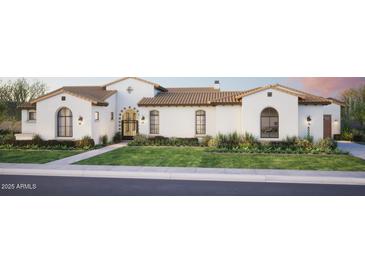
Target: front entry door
x,y
129,125
327,126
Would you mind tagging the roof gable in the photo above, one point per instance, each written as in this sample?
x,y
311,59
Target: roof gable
x,y
156,86
303,97
95,94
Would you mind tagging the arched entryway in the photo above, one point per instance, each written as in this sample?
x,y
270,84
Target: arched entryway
x,y
129,125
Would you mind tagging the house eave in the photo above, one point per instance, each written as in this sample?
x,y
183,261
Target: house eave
x,y
315,103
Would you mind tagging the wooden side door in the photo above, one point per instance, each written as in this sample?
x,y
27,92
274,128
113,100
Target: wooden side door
x,y
327,126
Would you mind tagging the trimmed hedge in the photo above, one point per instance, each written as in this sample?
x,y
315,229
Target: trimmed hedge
x,y
5,132
143,140
38,143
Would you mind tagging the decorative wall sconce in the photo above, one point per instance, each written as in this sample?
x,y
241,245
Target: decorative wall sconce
x,y
80,120
309,120
129,89
336,121
143,119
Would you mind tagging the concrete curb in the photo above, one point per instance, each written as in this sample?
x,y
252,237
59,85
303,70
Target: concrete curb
x,y
199,174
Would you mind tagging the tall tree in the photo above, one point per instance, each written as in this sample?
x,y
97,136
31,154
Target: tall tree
x,y
14,93
354,105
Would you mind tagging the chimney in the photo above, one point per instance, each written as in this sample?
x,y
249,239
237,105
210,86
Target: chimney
x,y
216,85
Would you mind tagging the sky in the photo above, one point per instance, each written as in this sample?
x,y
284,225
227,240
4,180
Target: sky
x,y
323,86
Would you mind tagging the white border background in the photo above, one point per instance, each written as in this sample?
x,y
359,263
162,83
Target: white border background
x,y
182,234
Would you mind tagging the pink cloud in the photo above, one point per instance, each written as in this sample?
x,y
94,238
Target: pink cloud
x,y
329,86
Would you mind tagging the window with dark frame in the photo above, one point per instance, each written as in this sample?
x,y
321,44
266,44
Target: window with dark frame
x,y
154,122
32,116
269,123
63,98
64,123
269,94
200,122
112,116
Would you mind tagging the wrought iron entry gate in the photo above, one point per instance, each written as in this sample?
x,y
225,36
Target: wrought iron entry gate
x,y
129,129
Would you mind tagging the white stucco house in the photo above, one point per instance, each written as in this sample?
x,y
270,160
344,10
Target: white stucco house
x,y
134,106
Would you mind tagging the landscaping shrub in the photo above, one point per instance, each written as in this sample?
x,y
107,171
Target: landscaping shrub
x,y
304,144
248,141
117,137
85,143
326,144
104,140
205,140
249,144
358,135
37,143
291,140
159,141
212,142
309,138
5,132
351,134
49,144
7,138
229,141
139,140
337,137
347,136
143,140
37,139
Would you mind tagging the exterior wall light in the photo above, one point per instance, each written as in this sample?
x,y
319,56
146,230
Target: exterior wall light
x,y
81,119
143,119
309,120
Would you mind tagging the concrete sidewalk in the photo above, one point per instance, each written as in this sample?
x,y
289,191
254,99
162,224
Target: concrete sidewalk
x,y
202,174
85,155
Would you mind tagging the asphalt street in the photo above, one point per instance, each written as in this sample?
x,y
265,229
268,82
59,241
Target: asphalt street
x,y
13,185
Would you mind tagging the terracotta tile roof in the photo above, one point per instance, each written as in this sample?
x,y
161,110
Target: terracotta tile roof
x,y
193,90
336,101
211,97
27,105
95,94
313,101
192,99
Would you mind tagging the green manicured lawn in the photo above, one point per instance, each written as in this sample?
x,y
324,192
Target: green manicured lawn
x,y
199,157
34,156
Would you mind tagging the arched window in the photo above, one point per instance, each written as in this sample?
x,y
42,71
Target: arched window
x,y
269,123
154,122
200,122
64,123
